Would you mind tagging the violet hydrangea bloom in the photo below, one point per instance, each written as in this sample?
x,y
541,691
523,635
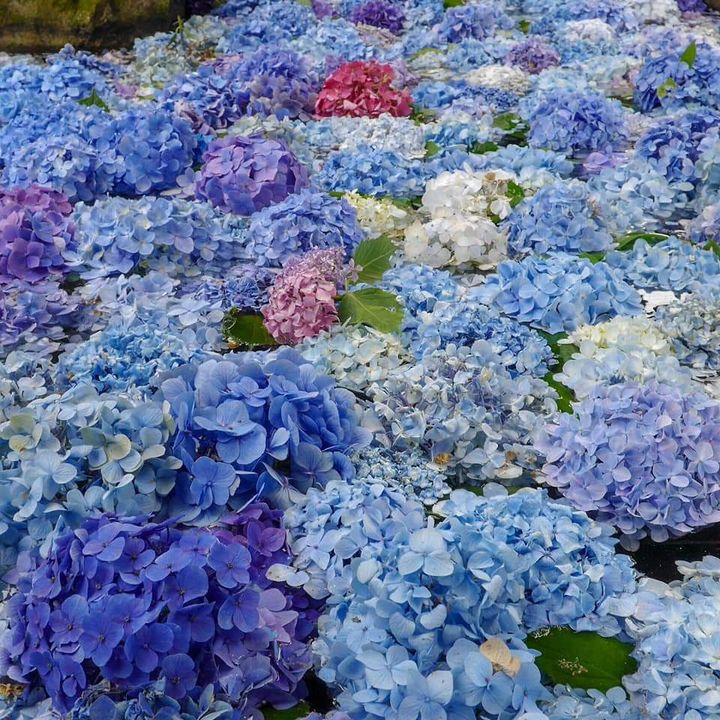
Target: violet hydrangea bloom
x,y
129,601
380,13
533,56
643,458
244,174
35,231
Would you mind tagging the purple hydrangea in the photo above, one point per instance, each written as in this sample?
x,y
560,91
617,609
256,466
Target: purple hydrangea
x,y
533,56
35,231
128,601
245,174
380,13
646,459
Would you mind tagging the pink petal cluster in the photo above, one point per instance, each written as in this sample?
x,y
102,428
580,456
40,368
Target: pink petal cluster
x,y
301,302
362,89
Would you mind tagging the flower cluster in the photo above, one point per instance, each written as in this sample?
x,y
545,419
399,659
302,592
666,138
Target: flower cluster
x,y
533,56
621,350
244,174
693,326
460,574
559,293
577,123
355,356
669,265
362,89
304,221
462,405
643,458
127,601
380,13
462,323
559,216
301,301
117,235
240,422
35,232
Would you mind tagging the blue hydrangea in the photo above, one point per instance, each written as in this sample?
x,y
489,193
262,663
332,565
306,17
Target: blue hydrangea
x,y
419,288
668,81
560,292
693,325
705,227
462,406
380,173
304,221
576,123
462,323
400,639
257,417
125,356
557,217
669,265
118,235
476,20
653,468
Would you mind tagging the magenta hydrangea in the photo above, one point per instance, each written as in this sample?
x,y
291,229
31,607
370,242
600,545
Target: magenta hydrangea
x,y
35,231
244,174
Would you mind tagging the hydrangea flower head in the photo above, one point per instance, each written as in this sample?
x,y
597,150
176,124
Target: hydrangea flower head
x,y
304,221
577,123
35,231
655,465
559,293
362,89
302,300
380,13
533,56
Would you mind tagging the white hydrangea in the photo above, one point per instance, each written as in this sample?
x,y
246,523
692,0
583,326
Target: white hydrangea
x,y
500,77
631,350
660,12
428,65
469,193
356,356
456,240
593,31
379,216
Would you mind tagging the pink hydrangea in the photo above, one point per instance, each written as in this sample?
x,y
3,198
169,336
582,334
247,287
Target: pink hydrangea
x,y
362,89
301,302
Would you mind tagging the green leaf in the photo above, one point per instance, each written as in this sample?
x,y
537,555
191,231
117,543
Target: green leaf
x,y
513,126
515,193
480,148
246,330
96,100
582,659
373,256
593,257
431,149
524,26
566,397
628,241
299,711
420,116
626,100
376,308
713,247
666,87
407,203
689,54
453,3
562,351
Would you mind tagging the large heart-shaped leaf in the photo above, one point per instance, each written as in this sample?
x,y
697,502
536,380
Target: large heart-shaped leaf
x,y
376,308
372,257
